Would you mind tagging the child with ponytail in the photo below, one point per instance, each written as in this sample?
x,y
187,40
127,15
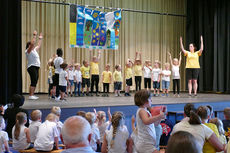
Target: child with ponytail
x,y
116,139
20,133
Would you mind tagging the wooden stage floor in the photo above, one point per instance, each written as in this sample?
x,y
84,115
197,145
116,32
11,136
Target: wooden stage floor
x,y
76,102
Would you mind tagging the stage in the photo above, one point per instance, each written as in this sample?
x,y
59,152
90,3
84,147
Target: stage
x,y
80,102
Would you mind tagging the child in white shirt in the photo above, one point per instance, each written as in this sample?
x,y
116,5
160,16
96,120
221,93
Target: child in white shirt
x,y
57,111
156,71
147,69
20,133
166,73
34,125
63,78
175,64
77,80
116,139
95,138
70,79
47,134
4,146
146,137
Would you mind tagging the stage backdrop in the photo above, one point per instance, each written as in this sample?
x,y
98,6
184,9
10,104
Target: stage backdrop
x,y
153,35
93,29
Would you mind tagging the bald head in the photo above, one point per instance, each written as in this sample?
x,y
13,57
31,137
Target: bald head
x,y
75,130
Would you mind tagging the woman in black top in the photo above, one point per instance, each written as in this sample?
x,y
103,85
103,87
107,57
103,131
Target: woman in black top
x,y
10,113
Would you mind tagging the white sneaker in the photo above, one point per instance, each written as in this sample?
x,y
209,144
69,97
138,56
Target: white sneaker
x,y
57,98
33,98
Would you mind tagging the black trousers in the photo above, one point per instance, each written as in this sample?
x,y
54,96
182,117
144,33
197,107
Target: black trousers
x,y
176,84
138,82
33,72
106,87
94,82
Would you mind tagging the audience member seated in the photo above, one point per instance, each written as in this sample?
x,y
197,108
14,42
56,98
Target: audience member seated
x,y
116,139
10,113
200,131
47,136
36,116
57,111
183,142
4,147
220,128
81,113
226,121
95,138
76,134
20,133
187,109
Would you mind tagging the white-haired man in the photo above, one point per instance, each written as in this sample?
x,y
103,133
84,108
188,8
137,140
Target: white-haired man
x,y
76,134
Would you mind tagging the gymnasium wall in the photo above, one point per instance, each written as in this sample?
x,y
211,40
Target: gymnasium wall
x,y
153,35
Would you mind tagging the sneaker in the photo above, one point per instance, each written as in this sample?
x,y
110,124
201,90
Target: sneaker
x,y
103,95
116,95
87,94
154,95
189,95
57,98
119,94
178,96
107,95
162,95
195,95
97,95
128,94
167,95
33,97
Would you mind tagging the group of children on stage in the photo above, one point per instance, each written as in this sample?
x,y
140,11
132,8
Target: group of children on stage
x,y
87,75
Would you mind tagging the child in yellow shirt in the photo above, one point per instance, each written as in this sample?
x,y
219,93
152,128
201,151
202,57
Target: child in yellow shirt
x,y
138,71
128,76
117,80
106,79
95,72
85,69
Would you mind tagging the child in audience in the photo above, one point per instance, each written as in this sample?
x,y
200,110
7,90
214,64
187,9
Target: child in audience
x,y
36,116
117,78
147,69
70,79
63,78
81,113
221,131
85,77
102,124
95,138
116,139
138,71
4,146
156,78
47,135
57,111
226,121
50,77
166,73
133,137
146,137
128,76
175,64
204,113
20,133
77,80
106,79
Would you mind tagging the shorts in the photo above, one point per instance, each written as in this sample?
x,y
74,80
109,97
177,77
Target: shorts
x,y
85,82
129,82
33,72
165,84
62,88
192,74
117,85
156,85
56,79
71,83
147,83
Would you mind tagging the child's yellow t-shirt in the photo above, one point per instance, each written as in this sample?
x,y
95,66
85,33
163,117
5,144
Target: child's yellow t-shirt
x,y
85,72
208,148
94,68
117,76
128,73
192,60
138,70
106,76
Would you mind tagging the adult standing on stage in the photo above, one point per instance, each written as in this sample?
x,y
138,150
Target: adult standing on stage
x,y
57,62
192,65
33,64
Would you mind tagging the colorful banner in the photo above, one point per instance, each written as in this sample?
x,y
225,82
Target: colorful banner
x,y
94,29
